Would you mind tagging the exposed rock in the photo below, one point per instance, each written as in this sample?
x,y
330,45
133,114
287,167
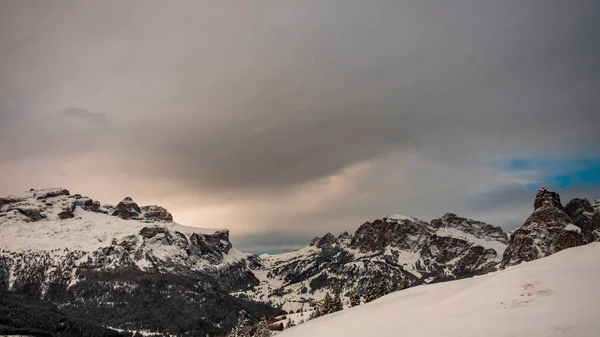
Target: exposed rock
x,y
127,209
66,214
50,193
321,242
9,200
584,216
345,236
376,235
478,229
156,213
548,229
547,197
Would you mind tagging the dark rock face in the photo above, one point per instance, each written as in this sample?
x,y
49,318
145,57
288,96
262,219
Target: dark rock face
x,y
50,193
585,216
66,214
376,235
32,214
547,197
476,228
127,209
9,200
327,240
156,213
552,228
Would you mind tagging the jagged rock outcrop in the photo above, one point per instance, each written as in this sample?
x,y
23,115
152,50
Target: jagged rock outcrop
x,y
552,228
327,240
156,213
127,209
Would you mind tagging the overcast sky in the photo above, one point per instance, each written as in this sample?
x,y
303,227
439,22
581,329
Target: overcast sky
x,y
283,120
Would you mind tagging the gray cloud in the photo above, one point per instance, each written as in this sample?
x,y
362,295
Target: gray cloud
x,y
97,118
251,112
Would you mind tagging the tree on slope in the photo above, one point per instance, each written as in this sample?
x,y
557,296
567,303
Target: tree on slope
x,y
242,328
262,329
323,307
371,291
337,304
384,288
354,298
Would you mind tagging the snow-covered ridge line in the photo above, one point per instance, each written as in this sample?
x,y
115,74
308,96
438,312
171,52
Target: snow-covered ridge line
x,y
52,218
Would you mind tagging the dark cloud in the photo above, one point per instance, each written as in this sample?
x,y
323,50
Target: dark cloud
x,y
261,109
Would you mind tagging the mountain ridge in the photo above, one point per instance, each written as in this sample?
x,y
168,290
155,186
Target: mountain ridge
x,y
67,248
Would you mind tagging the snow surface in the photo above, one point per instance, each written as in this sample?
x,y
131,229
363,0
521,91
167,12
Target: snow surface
x,y
400,217
88,231
553,296
571,227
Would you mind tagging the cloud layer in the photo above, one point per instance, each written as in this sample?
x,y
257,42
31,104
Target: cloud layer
x,y
296,118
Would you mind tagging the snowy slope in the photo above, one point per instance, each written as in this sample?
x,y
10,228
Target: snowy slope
x,y
554,296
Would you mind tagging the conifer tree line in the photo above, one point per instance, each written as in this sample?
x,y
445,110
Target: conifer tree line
x,y
243,328
328,305
376,287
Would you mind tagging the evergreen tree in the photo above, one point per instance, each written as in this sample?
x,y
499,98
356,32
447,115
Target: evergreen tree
x,y
354,298
383,288
327,304
262,329
242,329
337,303
371,291
403,284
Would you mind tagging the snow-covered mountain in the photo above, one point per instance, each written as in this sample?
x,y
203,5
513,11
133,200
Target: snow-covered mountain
x,y
133,268
404,250
551,297
113,261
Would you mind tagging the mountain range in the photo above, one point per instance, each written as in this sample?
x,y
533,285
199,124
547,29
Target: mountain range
x,y
127,267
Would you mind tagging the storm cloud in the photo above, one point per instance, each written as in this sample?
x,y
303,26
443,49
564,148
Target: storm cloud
x,y
285,120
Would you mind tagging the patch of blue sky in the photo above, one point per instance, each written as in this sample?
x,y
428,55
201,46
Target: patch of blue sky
x,y
556,172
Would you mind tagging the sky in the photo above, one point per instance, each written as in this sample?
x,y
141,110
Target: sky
x,y
284,120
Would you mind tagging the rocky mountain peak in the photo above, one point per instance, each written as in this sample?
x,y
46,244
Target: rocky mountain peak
x,y
552,228
403,232
545,197
324,241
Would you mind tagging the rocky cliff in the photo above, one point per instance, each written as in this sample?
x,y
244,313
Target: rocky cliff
x,y
552,227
